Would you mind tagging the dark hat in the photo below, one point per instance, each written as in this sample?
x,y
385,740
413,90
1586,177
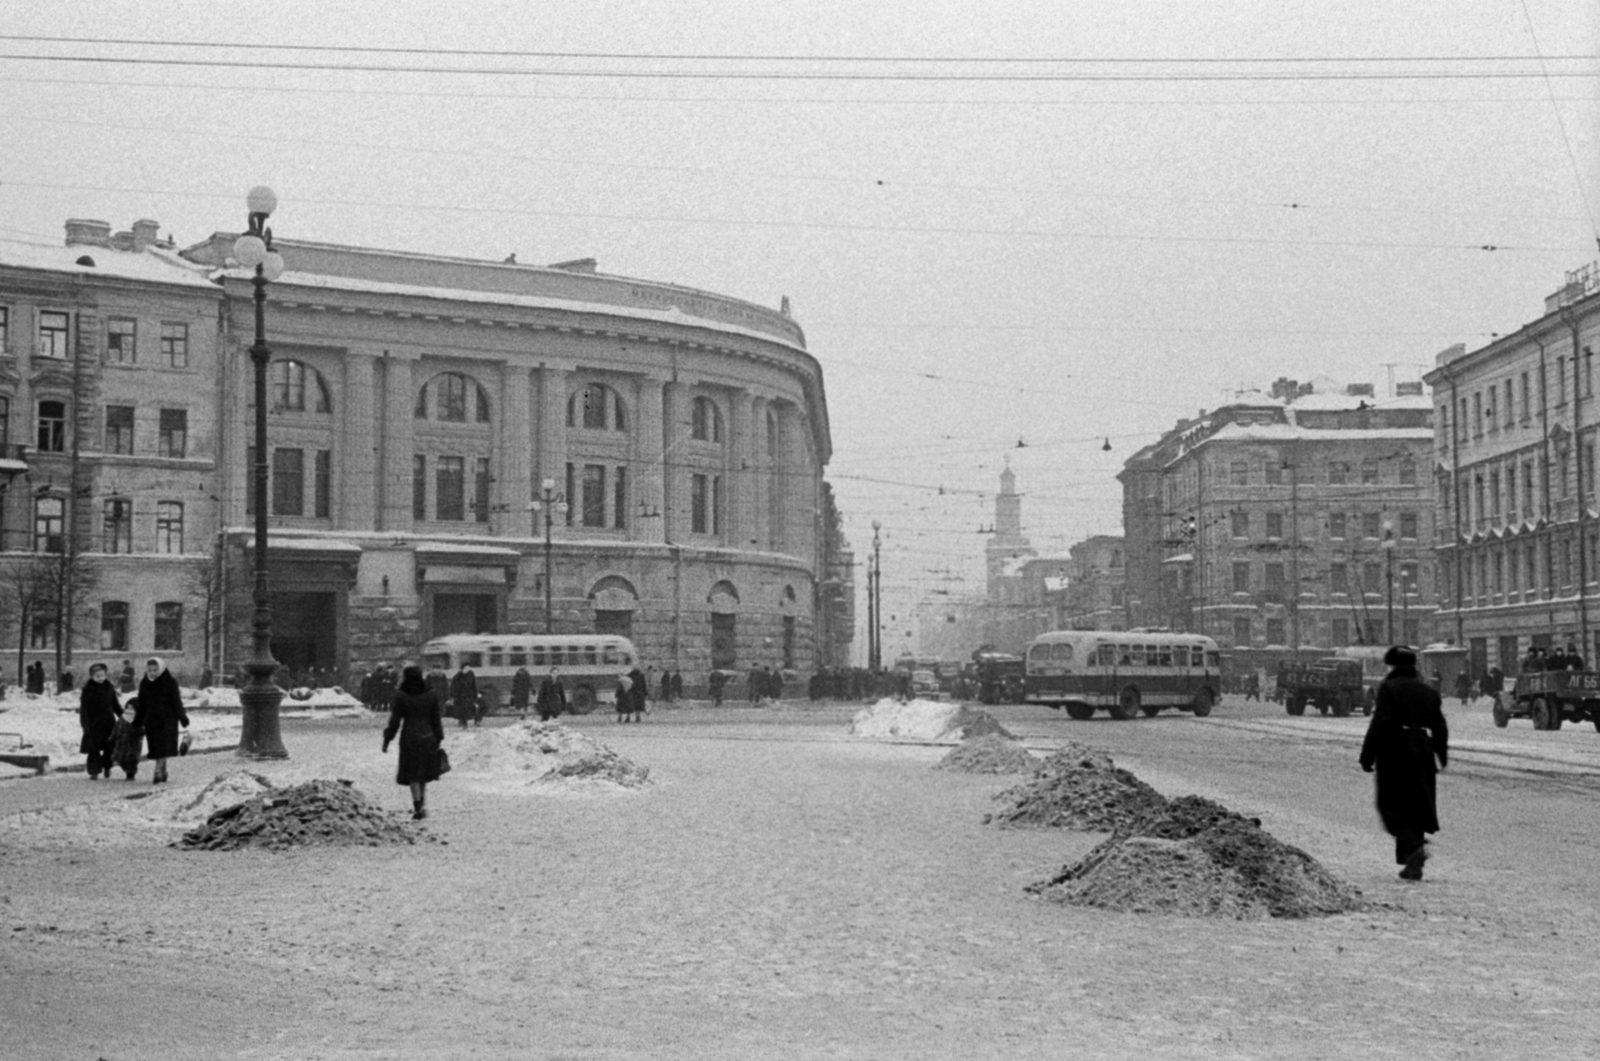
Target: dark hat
x,y
1400,656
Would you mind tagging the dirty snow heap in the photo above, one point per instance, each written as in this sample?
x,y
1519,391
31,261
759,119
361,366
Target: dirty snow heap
x,y
314,813
928,720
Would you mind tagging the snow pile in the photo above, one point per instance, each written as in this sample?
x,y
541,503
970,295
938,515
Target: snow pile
x,y
1196,858
1078,788
988,754
929,720
147,814
299,702
545,753
317,813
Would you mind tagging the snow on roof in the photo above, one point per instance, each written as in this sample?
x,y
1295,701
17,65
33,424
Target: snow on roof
x,y
1292,432
155,265
670,315
1337,402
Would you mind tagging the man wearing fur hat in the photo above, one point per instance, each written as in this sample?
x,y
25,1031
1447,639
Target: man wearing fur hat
x,y
1407,744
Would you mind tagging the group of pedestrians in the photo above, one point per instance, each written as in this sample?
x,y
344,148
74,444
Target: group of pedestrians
x,y
116,731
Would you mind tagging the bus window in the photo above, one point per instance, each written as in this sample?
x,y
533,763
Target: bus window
x,y
609,654
591,655
1107,656
496,656
538,656
519,657
1213,660
1164,656
1124,656
471,659
1039,653
437,661
1061,652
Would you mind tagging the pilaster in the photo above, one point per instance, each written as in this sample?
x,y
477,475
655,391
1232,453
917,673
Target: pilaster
x,y
675,494
513,485
397,446
355,457
651,464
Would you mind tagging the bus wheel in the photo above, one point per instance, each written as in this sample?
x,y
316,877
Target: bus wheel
x,y
582,700
1203,700
1080,712
1502,719
1127,705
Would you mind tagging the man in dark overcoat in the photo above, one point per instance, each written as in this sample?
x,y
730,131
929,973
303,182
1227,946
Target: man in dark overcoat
x,y
464,696
521,689
638,694
1407,744
551,701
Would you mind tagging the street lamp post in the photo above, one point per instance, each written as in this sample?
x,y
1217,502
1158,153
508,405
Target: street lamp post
x,y
875,651
259,736
1388,570
552,505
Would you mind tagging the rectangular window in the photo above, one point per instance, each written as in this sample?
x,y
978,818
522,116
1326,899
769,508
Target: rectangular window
x,y
1339,577
716,504
42,631
49,514
698,501
169,527
1566,563
1273,472
1241,524
1408,526
1338,473
1275,581
1510,405
452,397
1561,381
1411,631
1477,414
1274,524
1511,491
419,487
480,490
1533,567
53,334
1494,493
174,438
1513,570
117,526
1275,633
1527,488
122,335
52,434
1239,473
1241,576
1336,525
1340,630
1527,400
1371,577
1369,470
1241,631
1496,573
1408,472
619,507
114,626
288,482
119,429
450,489
1371,524
572,491
174,345
594,495
169,627
323,488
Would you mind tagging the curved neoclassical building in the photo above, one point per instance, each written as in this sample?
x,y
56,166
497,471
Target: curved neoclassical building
x,y
420,403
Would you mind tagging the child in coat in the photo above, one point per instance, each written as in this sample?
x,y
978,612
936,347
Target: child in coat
x,y
126,740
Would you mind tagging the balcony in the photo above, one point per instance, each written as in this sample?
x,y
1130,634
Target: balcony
x,y
13,460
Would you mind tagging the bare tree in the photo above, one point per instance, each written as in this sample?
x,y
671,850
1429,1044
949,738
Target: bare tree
x,y
46,588
221,586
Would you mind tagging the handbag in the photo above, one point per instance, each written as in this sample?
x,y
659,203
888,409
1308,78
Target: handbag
x,y
184,740
444,762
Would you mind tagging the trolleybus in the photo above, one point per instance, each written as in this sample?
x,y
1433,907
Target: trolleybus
x,y
1124,672
589,664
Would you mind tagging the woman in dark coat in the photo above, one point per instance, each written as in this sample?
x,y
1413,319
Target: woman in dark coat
x,y
552,699
159,714
521,688
464,696
416,716
98,711
1407,744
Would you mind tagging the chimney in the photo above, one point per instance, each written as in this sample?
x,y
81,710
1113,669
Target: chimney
x,y
82,232
146,233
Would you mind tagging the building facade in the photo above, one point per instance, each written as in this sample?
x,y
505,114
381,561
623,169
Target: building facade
x,y
108,488
1298,520
418,406
1514,451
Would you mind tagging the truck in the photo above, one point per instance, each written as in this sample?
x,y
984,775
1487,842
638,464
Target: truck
x,y
1550,698
1332,684
999,677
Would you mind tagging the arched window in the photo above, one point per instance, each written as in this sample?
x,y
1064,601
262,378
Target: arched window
x,y
596,408
705,421
291,382
52,426
456,399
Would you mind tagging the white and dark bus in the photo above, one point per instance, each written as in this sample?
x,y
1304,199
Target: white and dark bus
x,y
1123,671
589,664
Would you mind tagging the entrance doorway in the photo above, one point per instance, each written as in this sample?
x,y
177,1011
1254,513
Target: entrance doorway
x,y
465,613
305,631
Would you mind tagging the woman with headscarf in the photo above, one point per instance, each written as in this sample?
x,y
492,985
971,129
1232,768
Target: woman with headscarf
x,y
98,711
415,715
159,713
1407,744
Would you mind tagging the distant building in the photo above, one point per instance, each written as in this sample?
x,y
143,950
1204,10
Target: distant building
x,y
1302,520
1514,459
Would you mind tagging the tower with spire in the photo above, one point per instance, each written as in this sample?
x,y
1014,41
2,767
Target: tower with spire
x,y
1008,543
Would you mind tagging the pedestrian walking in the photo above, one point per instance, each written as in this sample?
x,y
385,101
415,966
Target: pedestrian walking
x,y
35,678
676,692
1464,686
66,681
416,716
624,706
716,684
1252,687
98,712
159,714
1407,744
126,739
464,697
775,685
638,693
521,687
758,685
551,701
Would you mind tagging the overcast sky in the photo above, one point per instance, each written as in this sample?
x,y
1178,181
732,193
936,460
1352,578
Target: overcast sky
x,y
1081,253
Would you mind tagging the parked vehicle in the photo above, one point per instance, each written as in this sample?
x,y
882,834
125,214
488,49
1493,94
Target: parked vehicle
x,y
1000,677
1123,672
1331,684
1550,698
589,663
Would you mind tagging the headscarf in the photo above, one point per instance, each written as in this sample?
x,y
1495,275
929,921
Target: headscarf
x,y
158,663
